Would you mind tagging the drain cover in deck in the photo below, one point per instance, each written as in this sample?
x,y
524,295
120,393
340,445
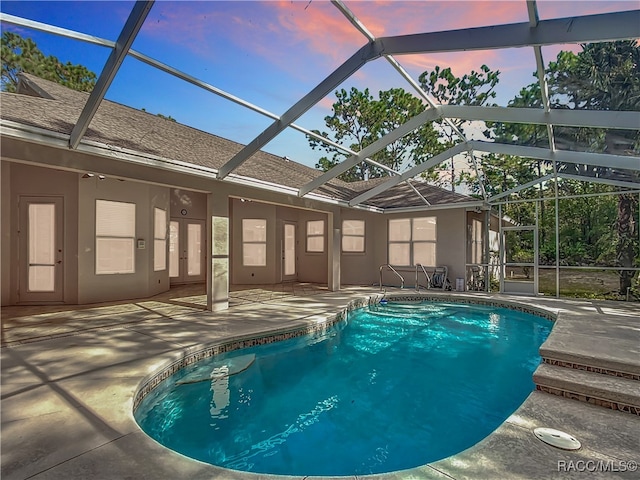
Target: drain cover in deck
x,y
557,439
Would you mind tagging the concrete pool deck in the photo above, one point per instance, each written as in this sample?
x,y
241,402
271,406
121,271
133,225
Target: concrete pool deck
x,y
70,373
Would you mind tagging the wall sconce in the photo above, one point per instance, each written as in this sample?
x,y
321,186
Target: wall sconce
x,y
88,175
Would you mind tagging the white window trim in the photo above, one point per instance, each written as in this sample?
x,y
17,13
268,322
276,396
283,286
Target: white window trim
x,y
131,238
157,240
255,242
348,235
412,242
315,235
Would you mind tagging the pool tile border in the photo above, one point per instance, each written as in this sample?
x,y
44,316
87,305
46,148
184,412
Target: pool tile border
x,y
588,368
200,352
489,302
623,407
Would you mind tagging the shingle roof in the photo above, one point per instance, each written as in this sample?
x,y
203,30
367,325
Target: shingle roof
x,y
53,107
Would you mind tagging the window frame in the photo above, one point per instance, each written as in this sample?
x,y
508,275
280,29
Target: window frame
x,y
131,237
254,242
411,242
157,240
309,236
350,235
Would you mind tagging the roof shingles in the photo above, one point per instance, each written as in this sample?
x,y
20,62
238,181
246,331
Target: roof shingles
x,y
125,127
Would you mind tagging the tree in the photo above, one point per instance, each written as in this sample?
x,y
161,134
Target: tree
x,y
473,89
22,55
606,76
359,119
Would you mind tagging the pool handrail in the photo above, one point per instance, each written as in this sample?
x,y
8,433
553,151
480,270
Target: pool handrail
x,y
425,274
382,267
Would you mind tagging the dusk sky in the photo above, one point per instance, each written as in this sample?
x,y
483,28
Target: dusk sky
x,y
273,53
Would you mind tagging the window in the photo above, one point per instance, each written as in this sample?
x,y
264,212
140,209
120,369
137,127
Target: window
x,y
254,242
315,236
353,236
159,239
412,241
476,241
115,237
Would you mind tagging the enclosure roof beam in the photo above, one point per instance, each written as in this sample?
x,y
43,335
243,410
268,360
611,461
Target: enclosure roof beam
x,y
339,75
119,52
605,181
624,120
532,9
581,29
404,129
579,158
412,172
506,193
404,74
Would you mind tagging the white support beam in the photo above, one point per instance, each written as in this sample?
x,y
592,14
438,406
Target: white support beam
x,y
582,29
404,74
506,193
123,44
404,129
152,62
579,158
566,117
532,9
344,71
412,172
427,208
63,32
605,181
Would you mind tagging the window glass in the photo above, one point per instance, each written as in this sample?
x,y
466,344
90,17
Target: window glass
x,y
115,237
315,236
254,242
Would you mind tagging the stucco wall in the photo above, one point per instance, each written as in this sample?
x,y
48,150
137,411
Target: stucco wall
x,y
5,229
35,181
451,230
144,281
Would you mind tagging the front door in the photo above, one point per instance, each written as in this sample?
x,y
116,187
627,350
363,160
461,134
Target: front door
x,y
40,249
186,251
289,270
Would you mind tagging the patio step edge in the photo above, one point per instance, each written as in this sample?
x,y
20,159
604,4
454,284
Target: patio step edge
x,y
616,393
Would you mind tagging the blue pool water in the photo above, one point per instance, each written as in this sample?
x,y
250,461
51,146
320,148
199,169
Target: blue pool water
x,y
393,387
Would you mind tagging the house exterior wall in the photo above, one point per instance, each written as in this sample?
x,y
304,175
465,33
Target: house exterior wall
x,y
362,268
5,232
144,281
451,227
250,275
35,181
313,267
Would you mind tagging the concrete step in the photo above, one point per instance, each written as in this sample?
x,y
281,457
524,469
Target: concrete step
x,y
608,391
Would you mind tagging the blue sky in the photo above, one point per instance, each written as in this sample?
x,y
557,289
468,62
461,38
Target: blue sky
x,y
273,53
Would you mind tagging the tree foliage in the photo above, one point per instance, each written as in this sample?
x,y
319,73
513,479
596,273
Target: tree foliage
x,y
476,88
23,55
598,230
359,119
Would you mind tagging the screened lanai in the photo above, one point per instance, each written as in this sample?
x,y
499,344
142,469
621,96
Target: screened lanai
x,y
267,75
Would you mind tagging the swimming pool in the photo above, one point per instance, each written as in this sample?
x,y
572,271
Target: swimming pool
x,y
393,387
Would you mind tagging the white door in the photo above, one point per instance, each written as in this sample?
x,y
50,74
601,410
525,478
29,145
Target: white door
x,y
186,251
40,249
289,267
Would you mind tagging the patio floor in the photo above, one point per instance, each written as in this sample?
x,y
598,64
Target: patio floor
x,y
69,375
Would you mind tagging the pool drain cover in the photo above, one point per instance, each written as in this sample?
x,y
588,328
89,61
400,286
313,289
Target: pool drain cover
x,y
557,439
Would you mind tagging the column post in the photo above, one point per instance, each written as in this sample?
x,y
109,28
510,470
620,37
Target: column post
x,y
218,251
